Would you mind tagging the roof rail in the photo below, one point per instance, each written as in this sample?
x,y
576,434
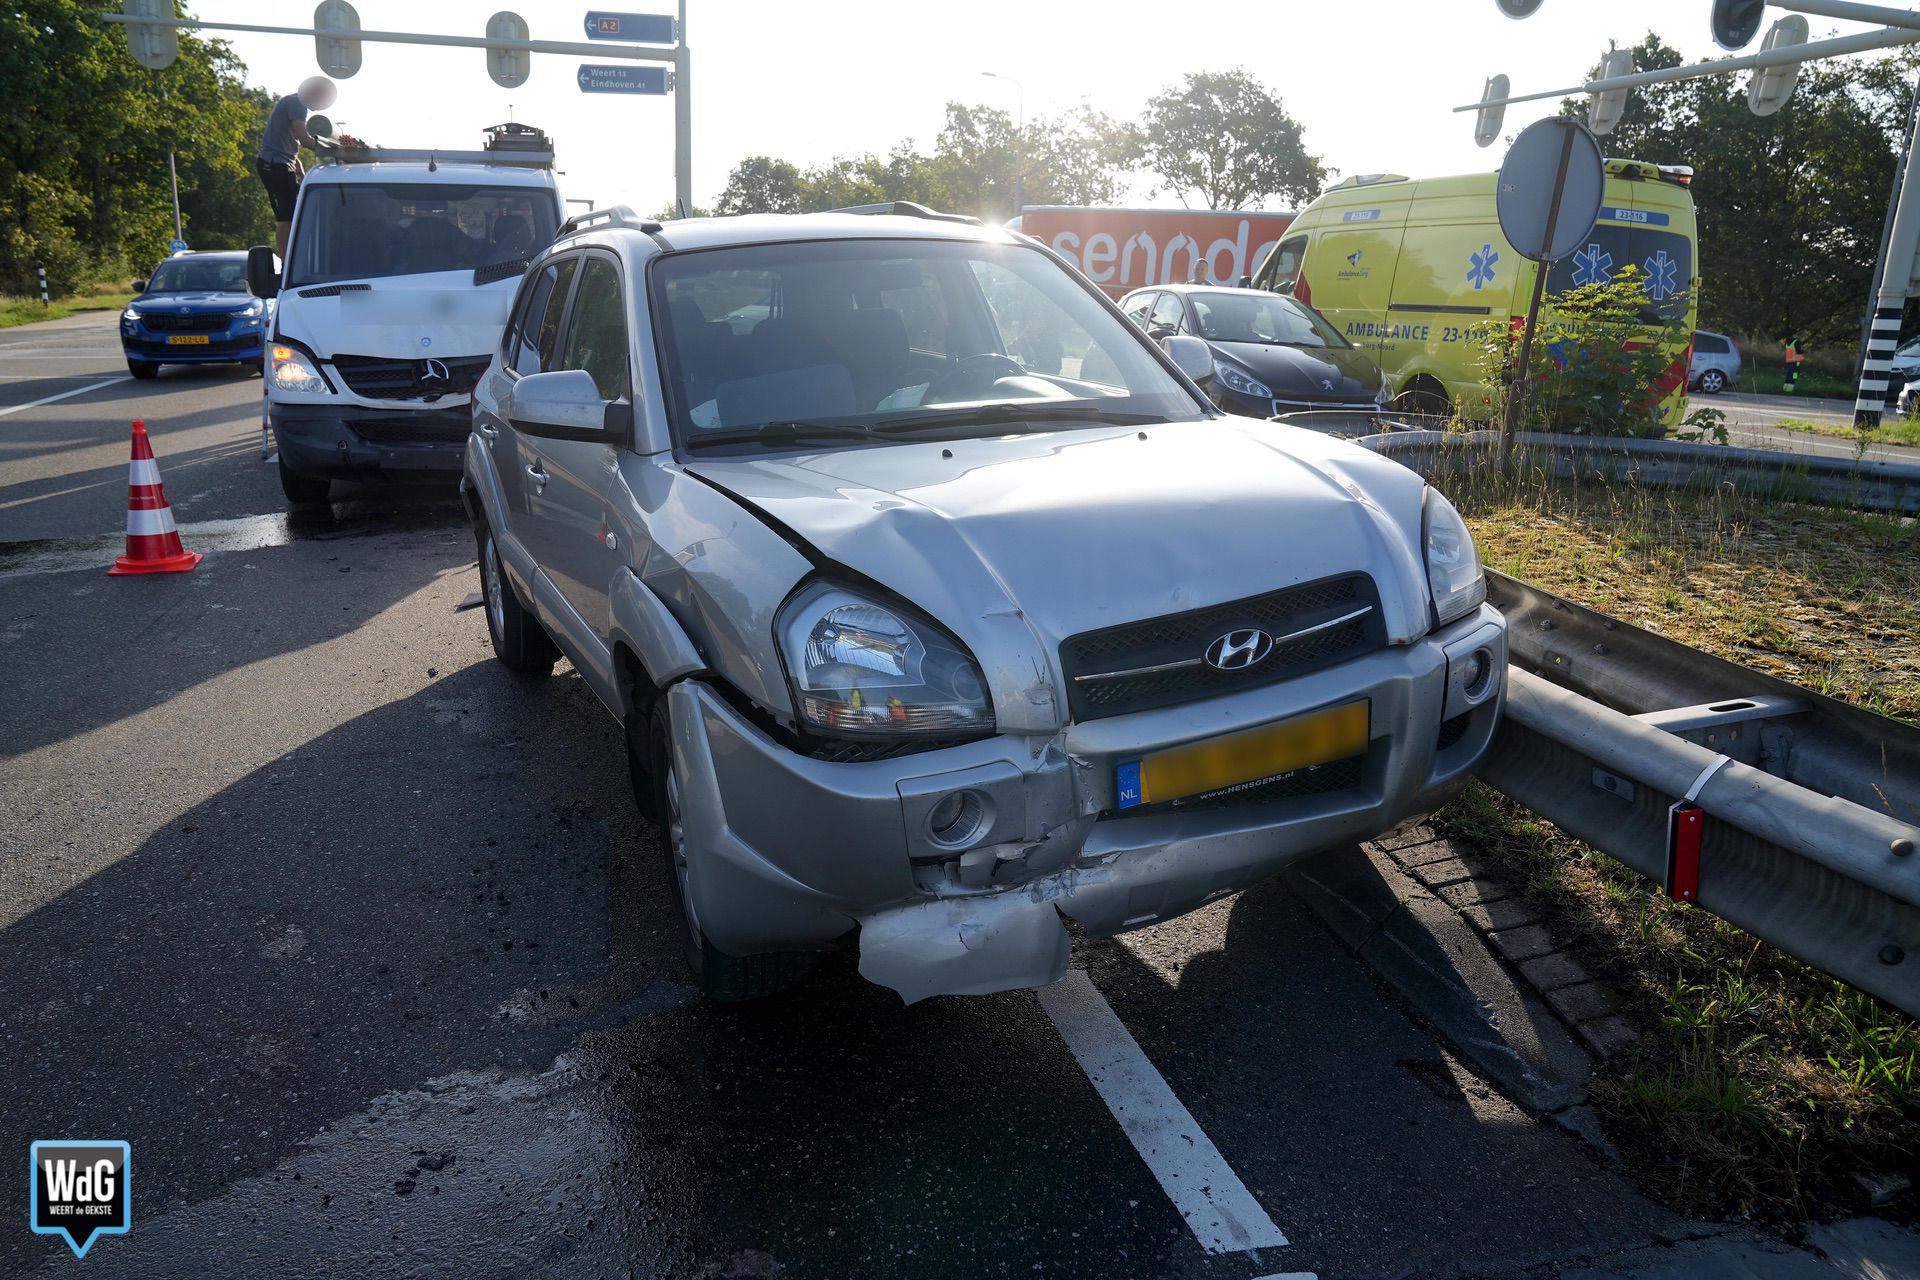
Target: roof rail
x,y
520,145
613,215
908,209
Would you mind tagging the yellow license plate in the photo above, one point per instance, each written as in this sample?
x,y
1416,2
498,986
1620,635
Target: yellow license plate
x,y
188,340
1249,757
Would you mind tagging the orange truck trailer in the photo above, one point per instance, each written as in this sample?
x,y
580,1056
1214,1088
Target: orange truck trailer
x,y
1124,249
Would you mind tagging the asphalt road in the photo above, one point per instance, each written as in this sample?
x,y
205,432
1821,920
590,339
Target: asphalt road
x,y
1755,422
358,939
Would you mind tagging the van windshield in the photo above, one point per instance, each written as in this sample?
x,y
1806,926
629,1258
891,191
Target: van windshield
x,y
364,230
883,337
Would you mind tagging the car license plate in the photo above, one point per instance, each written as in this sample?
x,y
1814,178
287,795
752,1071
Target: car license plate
x,y
1247,758
188,340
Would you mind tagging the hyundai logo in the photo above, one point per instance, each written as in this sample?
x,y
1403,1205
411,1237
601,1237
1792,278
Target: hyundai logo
x,y
1238,650
433,371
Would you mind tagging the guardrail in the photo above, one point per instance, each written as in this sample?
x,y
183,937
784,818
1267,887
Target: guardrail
x,y
1811,804
1865,484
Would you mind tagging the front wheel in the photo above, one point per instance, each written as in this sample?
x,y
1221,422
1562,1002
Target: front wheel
x,y
1713,382
519,641
721,977
143,369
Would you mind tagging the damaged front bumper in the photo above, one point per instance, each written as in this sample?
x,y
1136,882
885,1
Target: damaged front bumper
x,y
786,852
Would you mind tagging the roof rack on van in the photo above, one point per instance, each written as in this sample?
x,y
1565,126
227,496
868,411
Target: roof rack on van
x,y
613,214
1367,180
514,144
908,209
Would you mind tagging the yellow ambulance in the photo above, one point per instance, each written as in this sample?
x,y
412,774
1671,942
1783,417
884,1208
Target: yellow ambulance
x,y
1414,272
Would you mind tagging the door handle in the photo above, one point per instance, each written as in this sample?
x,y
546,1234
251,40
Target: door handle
x,y
535,474
486,432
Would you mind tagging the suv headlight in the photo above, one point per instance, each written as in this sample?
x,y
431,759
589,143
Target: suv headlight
x,y
860,668
290,370
1453,563
1234,378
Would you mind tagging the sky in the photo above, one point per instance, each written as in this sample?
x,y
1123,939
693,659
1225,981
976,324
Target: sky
x,y
1372,82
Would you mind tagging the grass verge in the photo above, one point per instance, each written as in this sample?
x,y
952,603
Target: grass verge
x,y
1759,1086
17,311
1892,430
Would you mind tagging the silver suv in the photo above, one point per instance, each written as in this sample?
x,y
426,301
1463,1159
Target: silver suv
x,y
938,603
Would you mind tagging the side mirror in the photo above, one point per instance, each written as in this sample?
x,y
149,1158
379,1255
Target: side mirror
x,y
139,286
565,405
1246,282
1191,356
263,275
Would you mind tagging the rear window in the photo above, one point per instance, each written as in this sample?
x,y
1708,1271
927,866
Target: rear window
x,y
1663,258
365,230
1709,345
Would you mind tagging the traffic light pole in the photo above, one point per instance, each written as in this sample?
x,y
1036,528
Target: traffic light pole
x,y
1890,301
682,122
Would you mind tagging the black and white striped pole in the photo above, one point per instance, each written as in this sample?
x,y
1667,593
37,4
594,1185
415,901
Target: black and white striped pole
x,y
1890,302
42,271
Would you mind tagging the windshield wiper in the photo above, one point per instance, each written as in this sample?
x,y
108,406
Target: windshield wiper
x,y
1006,412
795,432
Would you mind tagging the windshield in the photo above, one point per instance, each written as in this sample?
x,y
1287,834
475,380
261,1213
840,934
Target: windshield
x,y
894,334
364,230
199,275
1261,317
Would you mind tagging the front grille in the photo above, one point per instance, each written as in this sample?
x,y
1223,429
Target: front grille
x,y
436,426
157,347
1183,638
205,323
1314,780
384,378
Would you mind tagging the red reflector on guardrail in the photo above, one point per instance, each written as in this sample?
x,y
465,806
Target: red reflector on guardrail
x,y
1684,823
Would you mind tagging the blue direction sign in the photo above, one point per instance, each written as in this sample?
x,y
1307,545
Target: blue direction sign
x,y
176,246
623,77
634,28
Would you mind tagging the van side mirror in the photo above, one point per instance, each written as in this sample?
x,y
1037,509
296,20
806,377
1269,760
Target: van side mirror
x,y
263,275
564,404
1246,282
139,286
1191,356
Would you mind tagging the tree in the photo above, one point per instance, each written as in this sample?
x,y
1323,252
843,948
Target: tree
x,y
1224,136
761,184
1789,205
84,133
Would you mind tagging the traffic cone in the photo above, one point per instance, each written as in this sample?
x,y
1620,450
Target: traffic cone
x,y
153,544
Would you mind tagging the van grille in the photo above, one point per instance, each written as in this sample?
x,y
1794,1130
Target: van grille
x,y
435,426
1110,672
384,378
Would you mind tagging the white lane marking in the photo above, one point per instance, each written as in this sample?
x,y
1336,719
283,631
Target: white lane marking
x,y
1289,1275
62,395
1220,1211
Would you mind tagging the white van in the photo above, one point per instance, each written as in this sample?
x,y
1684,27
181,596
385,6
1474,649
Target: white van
x,y
399,271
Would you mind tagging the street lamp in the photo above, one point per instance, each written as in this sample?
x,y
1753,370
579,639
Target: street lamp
x,y
1019,138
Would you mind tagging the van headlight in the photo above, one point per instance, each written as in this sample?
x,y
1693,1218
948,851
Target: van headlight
x,y
290,370
1234,378
1453,563
860,668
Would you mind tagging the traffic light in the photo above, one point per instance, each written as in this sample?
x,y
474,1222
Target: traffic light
x,y
508,67
339,56
1486,123
1609,105
153,47
1769,87
1517,9
1736,22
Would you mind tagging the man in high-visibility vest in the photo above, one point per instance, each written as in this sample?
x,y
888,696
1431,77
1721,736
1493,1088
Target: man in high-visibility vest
x,y
1793,361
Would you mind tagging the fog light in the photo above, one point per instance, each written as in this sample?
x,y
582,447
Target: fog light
x,y
959,819
1479,675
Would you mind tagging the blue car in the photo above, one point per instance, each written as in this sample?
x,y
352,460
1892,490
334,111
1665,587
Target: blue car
x,y
194,310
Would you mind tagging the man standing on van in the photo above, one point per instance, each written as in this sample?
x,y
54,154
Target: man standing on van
x,y
279,161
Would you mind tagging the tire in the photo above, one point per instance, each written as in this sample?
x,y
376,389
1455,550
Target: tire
x,y
143,369
1712,382
1425,397
519,641
721,977
303,491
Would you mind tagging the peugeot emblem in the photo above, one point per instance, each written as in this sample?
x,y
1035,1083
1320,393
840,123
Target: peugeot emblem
x,y
1238,650
433,371
1326,384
